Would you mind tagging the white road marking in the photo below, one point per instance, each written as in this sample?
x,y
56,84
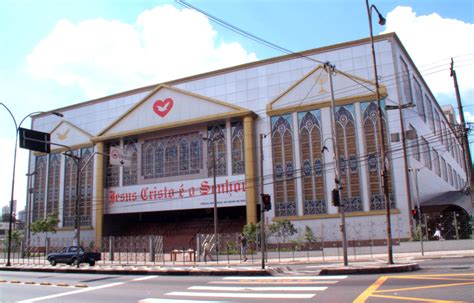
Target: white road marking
x,y
261,288
288,278
145,278
273,282
71,292
153,300
241,295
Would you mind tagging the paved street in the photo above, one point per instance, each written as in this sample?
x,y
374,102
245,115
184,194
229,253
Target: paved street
x,y
441,279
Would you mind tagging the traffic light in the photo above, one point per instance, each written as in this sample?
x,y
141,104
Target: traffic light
x,y
266,202
336,201
415,213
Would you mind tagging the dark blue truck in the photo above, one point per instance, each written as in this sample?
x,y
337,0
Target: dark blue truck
x,y
69,256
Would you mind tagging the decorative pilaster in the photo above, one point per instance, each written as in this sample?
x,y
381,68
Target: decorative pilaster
x,y
99,194
250,184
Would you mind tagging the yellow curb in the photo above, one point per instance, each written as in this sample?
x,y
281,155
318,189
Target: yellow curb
x,y
62,284
30,282
3,281
15,281
46,283
81,285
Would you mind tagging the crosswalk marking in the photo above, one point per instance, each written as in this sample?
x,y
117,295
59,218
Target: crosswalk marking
x,y
259,282
288,278
153,300
241,295
261,288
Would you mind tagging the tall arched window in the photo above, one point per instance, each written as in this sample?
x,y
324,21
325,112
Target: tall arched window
x,y
218,140
87,178
283,166
40,188
171,157
112,178
314,201
184,155
238,164
130,174
349,163
70,183
52,205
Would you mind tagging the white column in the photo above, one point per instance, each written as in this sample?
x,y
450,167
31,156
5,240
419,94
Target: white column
x,y
297,165
228,134
364,177
328,157
61,190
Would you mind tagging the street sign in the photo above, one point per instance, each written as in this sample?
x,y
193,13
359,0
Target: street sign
x,y
118,156
35,140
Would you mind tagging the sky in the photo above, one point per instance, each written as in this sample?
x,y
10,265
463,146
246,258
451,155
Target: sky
x,y
55,53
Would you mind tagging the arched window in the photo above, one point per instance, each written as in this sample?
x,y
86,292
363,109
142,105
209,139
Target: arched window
x,y
171,154
52,205
87,179
314,201
349,164
217,137
130,174
238,164
372,148
112,178
158,160
196,153
40,188
69,202
184,155
284,181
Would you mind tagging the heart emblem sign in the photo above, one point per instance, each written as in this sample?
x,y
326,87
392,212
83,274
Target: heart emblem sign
x,y
162,108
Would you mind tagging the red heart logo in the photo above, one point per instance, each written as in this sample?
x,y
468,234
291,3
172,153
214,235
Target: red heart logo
x,y
162,108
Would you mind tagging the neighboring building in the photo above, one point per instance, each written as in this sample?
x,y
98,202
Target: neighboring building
x,y
168,187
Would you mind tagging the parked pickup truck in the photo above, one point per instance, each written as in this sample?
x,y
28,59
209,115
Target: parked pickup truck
x,y
68,255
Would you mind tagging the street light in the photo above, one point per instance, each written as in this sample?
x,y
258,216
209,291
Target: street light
x,y
381,131
10,219
213,140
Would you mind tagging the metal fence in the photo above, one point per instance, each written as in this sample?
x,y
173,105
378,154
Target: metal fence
x,y
363,238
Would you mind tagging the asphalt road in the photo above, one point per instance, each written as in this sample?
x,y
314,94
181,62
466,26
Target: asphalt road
x,y
442,279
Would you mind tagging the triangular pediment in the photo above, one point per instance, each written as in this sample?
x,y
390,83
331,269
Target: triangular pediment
x,y
167,107
67,134
314,90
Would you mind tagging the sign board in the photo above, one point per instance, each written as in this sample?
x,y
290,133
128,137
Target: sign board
x,y
177,195
118,156
35,140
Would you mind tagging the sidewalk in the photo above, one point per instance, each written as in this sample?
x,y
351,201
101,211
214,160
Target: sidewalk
x,y
331,265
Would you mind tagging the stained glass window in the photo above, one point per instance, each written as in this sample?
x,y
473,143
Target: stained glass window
x,y
238,163
217,141
70,183
54,175
372,146
349,165
112,175
40,188
282,148
314,201
130,146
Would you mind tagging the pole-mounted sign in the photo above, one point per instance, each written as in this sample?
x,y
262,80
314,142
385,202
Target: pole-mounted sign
x,y
35,140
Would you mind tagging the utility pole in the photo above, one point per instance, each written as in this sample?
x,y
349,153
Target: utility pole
x,y
330,70
465,143
262,209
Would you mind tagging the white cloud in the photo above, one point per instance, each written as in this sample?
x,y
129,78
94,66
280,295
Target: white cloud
x,y
468,117
107,56
431,41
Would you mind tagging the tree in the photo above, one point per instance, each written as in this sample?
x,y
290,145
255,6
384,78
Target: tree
x,y
49,224
17,237
308,234
283,228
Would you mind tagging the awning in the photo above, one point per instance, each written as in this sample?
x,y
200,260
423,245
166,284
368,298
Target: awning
x,y
459,198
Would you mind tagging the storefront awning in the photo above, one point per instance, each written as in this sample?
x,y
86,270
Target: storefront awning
x,y
459,198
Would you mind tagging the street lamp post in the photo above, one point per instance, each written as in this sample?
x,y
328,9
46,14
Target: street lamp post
x,y
381,132
10,219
